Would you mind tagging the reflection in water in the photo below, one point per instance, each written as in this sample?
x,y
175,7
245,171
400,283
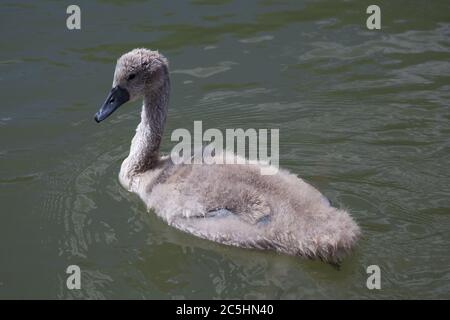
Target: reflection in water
x,y
206,72
257,39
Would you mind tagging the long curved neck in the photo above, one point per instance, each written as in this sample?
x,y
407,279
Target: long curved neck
x,y
144,150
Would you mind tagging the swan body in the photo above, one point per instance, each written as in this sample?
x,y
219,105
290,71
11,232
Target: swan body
x,y
230,204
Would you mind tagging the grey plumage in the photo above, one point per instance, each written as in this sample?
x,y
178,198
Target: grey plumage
x,y
230,204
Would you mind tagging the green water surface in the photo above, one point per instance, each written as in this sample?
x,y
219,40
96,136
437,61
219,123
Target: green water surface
x,y
363,116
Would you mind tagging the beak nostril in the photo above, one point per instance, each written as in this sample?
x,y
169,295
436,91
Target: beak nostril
x,y
116,97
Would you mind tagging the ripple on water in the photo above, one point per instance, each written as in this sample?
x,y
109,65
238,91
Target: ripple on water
x,y
206,72
71,202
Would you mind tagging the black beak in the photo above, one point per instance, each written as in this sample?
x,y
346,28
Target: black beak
x,y
116,97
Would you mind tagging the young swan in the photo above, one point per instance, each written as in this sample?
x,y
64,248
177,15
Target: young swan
x,y
230,204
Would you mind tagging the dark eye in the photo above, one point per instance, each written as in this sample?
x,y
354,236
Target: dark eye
x,y
131,76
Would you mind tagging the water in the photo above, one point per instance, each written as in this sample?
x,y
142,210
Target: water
x,y
363,116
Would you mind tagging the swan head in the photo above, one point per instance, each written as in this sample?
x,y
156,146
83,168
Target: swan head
x,y
138,72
